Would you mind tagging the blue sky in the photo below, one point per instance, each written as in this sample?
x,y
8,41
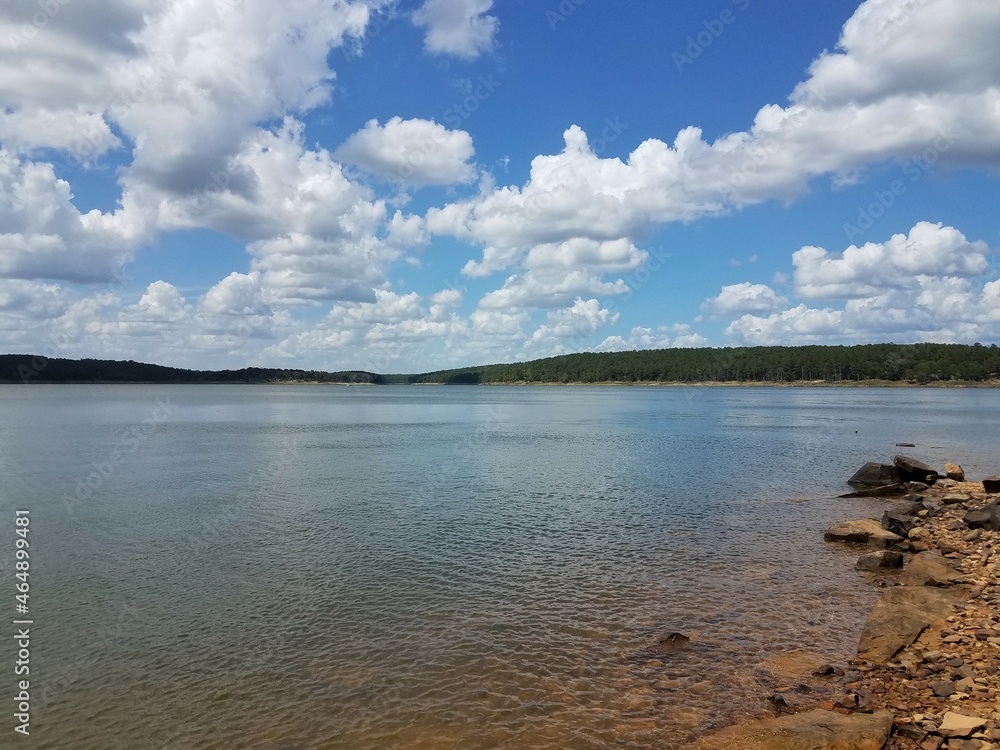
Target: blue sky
x,y
405,186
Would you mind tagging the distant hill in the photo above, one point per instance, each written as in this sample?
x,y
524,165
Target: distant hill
x,y
25,368
910,363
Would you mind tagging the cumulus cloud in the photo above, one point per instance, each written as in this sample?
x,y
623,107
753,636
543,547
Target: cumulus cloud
x,y
418,152
928,250
576,322
861,105
457,27
744,298
44,236
931,284
678,336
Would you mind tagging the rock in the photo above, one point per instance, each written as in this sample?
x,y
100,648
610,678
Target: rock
x,y
992,484
955,498
874,475
673,642
884,491
916,487
929,569
862,531
911,732
943,688
899,616
959,725
987,517
815,730
912,470
877,560
954,471
899,519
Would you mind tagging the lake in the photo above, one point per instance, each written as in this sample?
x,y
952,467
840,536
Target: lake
x,y
285,567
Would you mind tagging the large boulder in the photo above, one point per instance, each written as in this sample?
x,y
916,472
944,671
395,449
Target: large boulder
x,y
874,475
992,484
912,470
900,615
865,531
812,730
929,569
987,517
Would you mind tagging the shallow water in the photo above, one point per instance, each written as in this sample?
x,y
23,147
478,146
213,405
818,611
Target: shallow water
x,y
426,567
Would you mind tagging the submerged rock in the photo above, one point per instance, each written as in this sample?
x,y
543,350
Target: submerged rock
x,y
879,560
886,490
862,531
812,730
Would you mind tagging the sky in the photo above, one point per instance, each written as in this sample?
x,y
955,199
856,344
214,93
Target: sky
x,y
415,185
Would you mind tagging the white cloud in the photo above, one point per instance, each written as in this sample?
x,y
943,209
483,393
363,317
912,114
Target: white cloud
x,y
43,236
457,27
861,106
418,152
928,285
744,298
678,336
574,323
928,250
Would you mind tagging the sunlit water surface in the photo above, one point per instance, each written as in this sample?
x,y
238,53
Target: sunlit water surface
x,y
285,567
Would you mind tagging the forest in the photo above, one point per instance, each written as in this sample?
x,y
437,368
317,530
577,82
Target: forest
x,y
911,363
901,363
26,368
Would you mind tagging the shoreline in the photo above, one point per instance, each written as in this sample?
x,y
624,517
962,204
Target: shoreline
x,y
927,672
957,384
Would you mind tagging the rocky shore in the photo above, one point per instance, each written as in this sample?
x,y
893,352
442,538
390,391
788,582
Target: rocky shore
x,y
927,672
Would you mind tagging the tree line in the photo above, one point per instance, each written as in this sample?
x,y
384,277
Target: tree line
x,y
912,363
26,368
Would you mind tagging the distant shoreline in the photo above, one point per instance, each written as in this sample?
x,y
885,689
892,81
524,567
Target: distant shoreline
x,y
570,384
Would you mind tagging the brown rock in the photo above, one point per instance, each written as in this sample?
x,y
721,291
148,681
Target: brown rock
x,y
959,725
954,471
992,484
812,730
862,531
899,616
929,569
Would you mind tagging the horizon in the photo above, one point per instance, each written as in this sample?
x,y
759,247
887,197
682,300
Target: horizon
x,y
419,182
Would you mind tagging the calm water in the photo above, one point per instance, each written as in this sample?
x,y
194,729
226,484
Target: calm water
x,y
423,567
